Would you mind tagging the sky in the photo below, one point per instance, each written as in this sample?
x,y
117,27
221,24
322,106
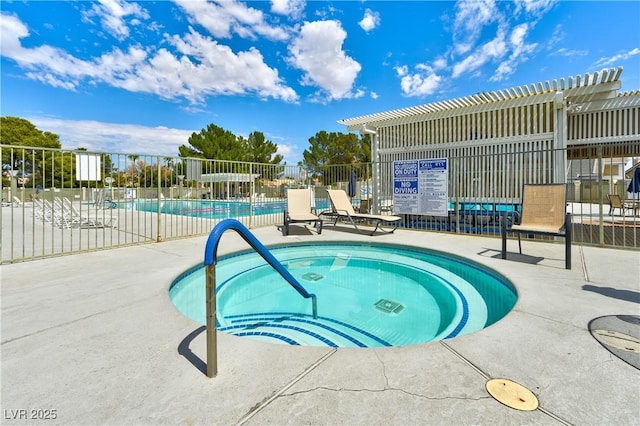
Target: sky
x,y
141,77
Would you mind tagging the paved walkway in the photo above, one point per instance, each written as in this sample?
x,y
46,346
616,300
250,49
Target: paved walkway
x,y
94,339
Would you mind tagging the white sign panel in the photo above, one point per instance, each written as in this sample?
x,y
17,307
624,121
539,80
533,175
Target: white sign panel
x,y
421,187
87,167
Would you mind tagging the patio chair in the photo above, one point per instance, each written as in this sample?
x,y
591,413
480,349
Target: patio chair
x,y
299,210
543,213
615,202
342,209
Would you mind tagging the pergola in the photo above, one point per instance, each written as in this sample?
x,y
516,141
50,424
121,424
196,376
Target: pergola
x,y
228,178
537,122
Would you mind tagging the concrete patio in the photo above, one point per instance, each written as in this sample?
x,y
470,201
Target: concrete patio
x,y
93,338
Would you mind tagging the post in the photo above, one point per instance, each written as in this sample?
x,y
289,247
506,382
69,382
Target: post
x,y
567,242
600,199
375,160
504,235
159,207
252,195
212,338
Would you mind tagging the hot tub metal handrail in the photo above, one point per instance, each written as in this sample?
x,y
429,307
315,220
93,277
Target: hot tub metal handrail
x,y
210,259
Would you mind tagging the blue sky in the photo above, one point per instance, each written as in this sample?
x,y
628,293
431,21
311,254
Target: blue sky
x,y
140,77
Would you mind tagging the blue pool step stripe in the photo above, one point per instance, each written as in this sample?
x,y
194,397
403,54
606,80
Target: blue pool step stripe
x,y
304,331
301,320
266,334
276,315
465,314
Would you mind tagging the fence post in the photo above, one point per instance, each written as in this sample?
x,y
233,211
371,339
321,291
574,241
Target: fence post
x,y
158,205
600,199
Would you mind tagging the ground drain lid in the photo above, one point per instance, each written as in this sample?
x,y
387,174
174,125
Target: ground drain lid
x,y
620,335
512,394
312,276
389,306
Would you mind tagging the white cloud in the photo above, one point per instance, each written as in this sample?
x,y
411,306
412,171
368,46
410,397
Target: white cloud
x,y
471,18
287,151
519,51
317,50
229,16
535,7
569,52
115,138
509,47
616,59
424,81
401,70
370,20
216,69
200,67
113,14
291,8
440,64
491,50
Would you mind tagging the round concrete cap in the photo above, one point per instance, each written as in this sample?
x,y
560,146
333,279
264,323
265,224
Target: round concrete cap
x,y
512,394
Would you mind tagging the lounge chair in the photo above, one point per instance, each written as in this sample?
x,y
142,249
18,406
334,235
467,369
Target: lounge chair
x,y
299,210
45,211
543,213
74,216
342,209
615,202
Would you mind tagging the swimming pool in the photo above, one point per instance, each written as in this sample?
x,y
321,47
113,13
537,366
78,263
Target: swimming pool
x,y
368,295
213,209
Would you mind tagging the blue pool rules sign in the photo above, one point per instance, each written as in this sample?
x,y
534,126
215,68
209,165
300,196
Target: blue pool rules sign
x,y
421,187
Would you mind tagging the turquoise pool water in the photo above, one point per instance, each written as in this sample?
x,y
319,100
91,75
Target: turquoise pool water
x,y
213,209
368,296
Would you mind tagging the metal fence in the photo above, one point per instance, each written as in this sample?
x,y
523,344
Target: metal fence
x,y
58,202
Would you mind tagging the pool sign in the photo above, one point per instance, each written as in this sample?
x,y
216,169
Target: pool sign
x,y
421,187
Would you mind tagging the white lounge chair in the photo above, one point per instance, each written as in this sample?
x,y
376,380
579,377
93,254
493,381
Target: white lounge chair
x,y
47,212
84,220
299,210
342,209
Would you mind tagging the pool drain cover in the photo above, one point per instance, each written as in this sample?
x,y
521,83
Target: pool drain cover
x,y
620,335
512,394
312,276
389,306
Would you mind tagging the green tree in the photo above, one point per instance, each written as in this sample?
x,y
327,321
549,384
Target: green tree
x,y
335,148
261,150
214,143
21,132
28,162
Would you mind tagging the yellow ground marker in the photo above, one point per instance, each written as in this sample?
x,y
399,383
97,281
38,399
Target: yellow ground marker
x,y
512,394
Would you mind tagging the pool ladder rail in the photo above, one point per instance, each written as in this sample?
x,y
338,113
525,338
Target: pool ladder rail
x,y
210,258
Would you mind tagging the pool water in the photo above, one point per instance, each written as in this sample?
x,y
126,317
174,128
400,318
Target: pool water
x,y
368,295
214,209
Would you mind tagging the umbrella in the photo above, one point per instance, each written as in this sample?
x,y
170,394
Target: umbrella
x,y
352,184
312,197
634,185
